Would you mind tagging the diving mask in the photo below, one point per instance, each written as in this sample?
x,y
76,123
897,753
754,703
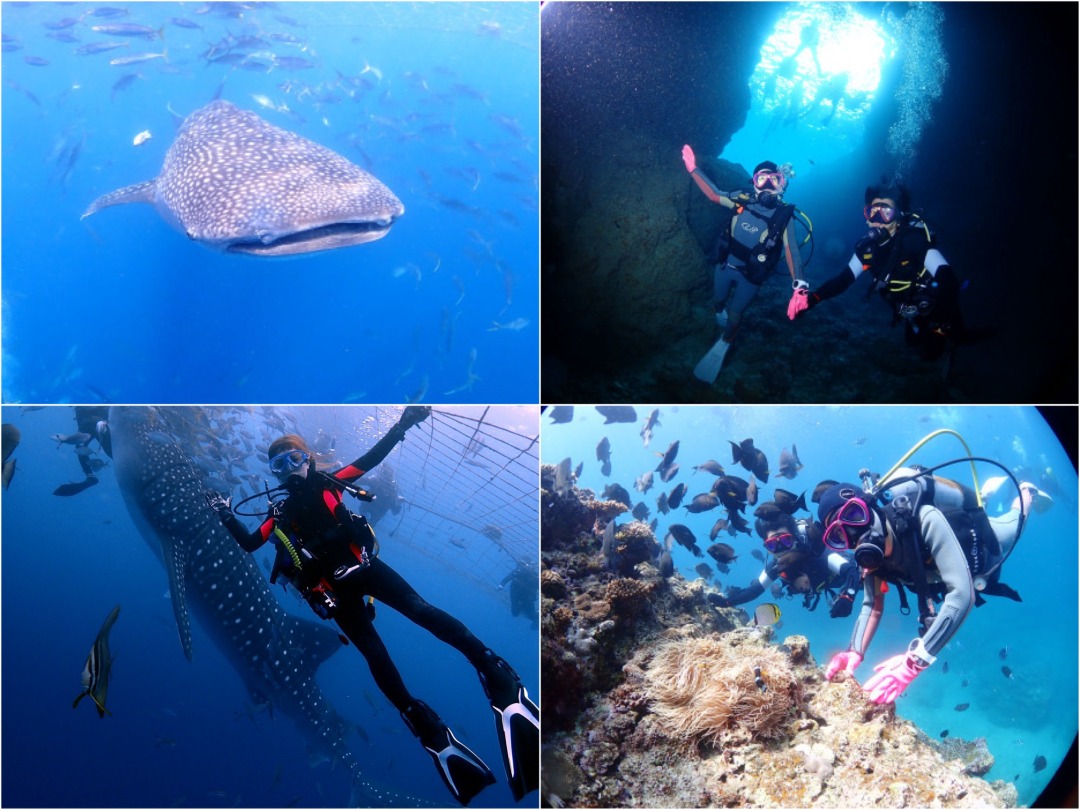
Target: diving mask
x,y
854,513
881,213
766,180
779,542
288,461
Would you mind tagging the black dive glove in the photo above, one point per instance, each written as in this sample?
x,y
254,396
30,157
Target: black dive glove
x,y
846,600
717,600
221,504
414,415
843,604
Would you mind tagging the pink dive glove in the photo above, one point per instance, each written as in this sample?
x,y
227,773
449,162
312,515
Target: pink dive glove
x,y
688,158
799,302
893,677
846,661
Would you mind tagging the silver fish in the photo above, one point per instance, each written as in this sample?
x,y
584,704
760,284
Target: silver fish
x,y
562,477
235,183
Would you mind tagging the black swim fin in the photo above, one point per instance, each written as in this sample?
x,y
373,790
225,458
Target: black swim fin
x,y
462,771
517,723
1001,589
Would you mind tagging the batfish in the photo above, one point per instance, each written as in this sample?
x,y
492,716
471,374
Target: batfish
x,y
95,676
233,182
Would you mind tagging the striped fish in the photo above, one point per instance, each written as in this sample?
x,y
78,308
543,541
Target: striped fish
x,y
95,676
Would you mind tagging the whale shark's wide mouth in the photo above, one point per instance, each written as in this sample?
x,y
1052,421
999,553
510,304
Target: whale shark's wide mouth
x,y
325,237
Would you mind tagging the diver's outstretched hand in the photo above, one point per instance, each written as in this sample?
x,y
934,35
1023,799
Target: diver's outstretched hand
x,y
688,158
799,302
221,504
414,415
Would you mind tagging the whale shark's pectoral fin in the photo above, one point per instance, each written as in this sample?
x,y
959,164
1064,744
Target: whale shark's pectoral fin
x,y
140,192
174,556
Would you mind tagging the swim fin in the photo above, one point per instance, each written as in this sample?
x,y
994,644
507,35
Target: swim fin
x,y
517,723
463,772
708,368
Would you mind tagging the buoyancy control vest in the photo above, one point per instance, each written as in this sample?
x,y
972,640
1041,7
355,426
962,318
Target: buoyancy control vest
x,y
901,277
754,236
315,534
910,558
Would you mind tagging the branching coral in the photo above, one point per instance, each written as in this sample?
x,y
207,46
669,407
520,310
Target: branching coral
x,y
702,688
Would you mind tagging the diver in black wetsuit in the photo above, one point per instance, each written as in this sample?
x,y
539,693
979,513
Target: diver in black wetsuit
x,y
92,422
799,562
909,273
331,556
524,586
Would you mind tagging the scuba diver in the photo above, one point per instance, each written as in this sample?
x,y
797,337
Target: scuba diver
x,y
833,91
524,585
331,556
798,561
909,273
760,232
930,535
809,39
92,422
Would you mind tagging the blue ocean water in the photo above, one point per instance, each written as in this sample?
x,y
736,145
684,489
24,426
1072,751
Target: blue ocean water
x,y
438,100
1032,714
188,734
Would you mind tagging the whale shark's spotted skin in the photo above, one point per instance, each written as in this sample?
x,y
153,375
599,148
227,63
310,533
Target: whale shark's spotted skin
x,y
232,181
275,654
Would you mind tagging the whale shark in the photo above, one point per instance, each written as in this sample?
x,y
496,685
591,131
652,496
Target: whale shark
x,y
275,654
233,182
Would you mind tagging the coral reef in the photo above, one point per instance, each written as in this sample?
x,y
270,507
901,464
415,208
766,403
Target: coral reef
x,y
593,622
653,698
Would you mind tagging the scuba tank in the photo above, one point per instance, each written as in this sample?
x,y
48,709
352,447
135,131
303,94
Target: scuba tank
x,y
903,490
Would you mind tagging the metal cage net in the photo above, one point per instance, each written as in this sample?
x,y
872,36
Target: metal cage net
x,y
461,489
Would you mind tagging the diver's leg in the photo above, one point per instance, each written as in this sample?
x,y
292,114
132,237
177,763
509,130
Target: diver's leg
x,y
461,770
356,624
723,280
740,300
517,718
1005,527
390,588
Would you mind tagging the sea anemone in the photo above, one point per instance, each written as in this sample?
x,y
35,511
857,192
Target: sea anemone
x,y
702,688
